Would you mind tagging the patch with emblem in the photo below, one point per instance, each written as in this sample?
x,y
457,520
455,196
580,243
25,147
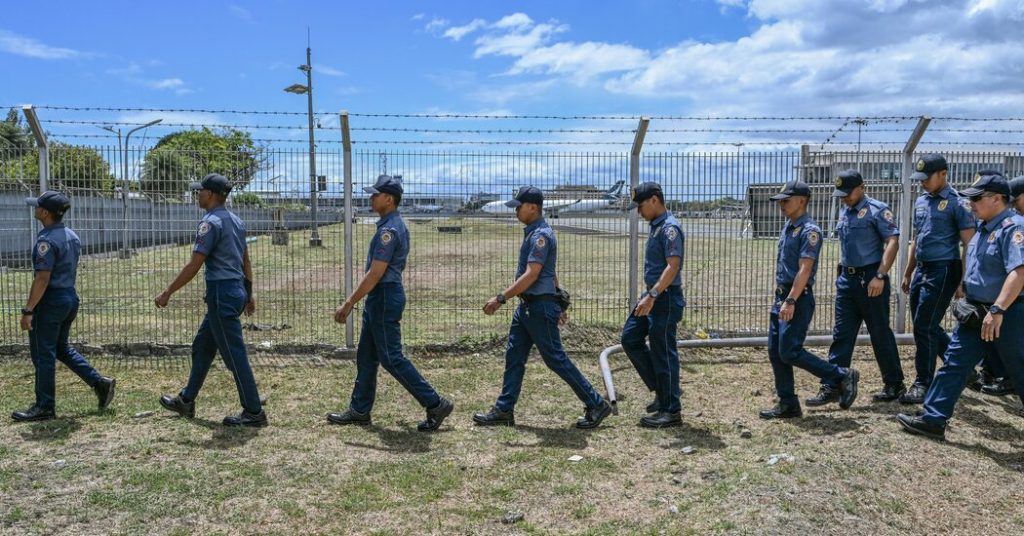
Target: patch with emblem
x,y
839,182
796,232
1007,222
670,233
920,164
812,238
1018,238
977,179
943,204
204,228
42,248
863,212
888,215
386,237
541,242
992,237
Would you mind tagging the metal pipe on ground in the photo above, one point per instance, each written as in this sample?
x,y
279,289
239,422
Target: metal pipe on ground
x,y
902,339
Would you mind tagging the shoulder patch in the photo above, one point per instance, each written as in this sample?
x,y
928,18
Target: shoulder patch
x,y
42,248
1018,238
541,242
204,228
1007,222
386,237
863,212
813,237
943,204
671,233
888,215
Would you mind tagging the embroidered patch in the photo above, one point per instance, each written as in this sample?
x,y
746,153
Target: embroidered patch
x,y
42,248
386,237
839,182
541,242
796,232
1018,238
992,237
204,228
888,215
943,204
670,233
812,238
863,212
920,164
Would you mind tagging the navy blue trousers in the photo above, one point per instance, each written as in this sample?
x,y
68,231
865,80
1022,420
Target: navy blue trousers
x,y
966,349
380,344
931,290
536,323
221,331
658,363
786,348
854,307
48,342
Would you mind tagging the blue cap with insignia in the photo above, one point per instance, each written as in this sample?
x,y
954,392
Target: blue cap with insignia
x,y
213,182
987,181
51,201
1017,186
928,164
643,192
792,188
526,194
846,181
386,184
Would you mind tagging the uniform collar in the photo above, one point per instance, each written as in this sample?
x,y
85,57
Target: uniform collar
x,y
57,225
538,223
388,217
799,221
660,219
943,193
996,222
863,203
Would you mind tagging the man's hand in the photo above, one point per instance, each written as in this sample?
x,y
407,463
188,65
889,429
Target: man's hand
x,y
162,299
491,306
26,322
342,312
563,318
960,292
250,306
990,327
875,287
786,312
644,306
905,284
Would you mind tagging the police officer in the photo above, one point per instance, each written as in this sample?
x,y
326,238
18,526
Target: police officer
x,y
942,221
796,266
536,320
220,245
868,244
654,319
993,283
52,307
380,342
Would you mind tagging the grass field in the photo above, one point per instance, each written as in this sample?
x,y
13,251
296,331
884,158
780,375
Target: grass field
x,y
840,472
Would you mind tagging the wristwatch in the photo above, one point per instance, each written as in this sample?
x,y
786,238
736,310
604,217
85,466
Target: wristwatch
x,y
996,309
653,292
501,298
27,312
790,301
881,276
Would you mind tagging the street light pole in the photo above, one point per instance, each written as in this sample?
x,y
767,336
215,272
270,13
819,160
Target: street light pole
x,y
299,89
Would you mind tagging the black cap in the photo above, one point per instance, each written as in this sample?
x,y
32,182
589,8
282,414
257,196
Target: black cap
x,y
386,184
1017,186
527,194
928,164
846,181
54,202
643,192
213,182
791,188
987,181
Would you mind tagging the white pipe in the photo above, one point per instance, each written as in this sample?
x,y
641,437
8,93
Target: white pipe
x,y
902,339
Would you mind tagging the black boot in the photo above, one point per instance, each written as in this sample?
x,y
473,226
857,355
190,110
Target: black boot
x,y
495,418
848,388
177,404
914,395
436,416
592,417
917,425
245,418
781,411
104,390
662,419
349,416
1000,387
35,413
890,392
826,395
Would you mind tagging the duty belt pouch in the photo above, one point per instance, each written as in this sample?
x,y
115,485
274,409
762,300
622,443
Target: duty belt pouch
x,y
969,314
563,298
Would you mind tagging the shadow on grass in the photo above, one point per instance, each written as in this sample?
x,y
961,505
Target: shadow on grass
x,y
563,438
222,438
688,435
57,429
405,439
826,424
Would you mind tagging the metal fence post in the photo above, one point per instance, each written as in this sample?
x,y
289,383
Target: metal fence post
x,y
906,215
346,140
634,215
44,146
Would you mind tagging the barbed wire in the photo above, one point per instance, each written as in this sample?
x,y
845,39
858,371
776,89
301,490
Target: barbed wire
x,y
166,110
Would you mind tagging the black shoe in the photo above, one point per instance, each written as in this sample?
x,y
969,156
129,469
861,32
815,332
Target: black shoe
x,y
349,416
1000,387
592,417
826,395
914,395
662,419
917,425
35,413
653,406
245,418
848,388
436,416
781,411
495,418
890,392
177,404
104,391
974,381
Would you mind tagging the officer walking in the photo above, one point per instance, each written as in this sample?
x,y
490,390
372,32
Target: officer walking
x,y
380,341
52,307
868,242
796,266
993,284
942,221
220,245
536,320
654,319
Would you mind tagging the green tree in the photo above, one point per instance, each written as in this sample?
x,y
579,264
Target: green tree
x,y
195,153
71,167
168,172
15,138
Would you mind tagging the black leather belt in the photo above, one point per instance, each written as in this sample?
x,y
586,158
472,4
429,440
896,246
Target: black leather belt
x,y
853,270
667,289
929,264
528,298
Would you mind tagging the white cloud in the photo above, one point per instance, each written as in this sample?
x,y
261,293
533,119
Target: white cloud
x,y
437,24
456,33
515,20
31,48
518,42
583,60
134,73
418,16
327,70
166,83
241,13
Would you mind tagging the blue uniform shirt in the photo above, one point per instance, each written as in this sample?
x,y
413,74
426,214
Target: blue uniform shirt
x,y
665,240
56,251
938,220
863,231
391,245
539,246
995,251
800,240
221,237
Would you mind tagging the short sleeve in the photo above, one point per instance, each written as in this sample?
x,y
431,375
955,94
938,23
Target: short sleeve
x,y
44,256
810,244
1013,248
885,223
540,245
672,241
206,237
963,215
386,242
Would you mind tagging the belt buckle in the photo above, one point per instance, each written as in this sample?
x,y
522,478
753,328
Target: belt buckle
x,y
851,270
779,290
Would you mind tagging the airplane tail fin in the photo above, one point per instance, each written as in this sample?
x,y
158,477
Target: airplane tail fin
x,y
615,191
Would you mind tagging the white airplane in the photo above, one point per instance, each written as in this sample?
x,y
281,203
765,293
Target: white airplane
x,y
610,199
427,208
